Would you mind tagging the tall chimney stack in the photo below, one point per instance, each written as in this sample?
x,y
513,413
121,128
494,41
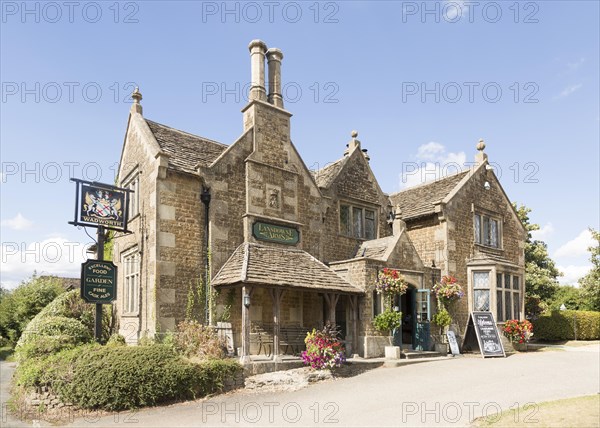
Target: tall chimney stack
x,y
274,57
257,61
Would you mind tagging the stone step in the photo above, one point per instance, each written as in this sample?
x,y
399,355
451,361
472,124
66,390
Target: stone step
x,y
412,355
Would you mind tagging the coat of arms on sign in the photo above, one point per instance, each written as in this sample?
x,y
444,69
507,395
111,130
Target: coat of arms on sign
x,y
102,204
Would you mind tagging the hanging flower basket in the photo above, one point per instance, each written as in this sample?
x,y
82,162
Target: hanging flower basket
x,y
390,282
448,290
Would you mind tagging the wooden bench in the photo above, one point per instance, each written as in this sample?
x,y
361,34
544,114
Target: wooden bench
x,y
291,338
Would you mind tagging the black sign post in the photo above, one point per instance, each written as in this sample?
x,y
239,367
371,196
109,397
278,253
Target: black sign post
x,y
482,332
105,207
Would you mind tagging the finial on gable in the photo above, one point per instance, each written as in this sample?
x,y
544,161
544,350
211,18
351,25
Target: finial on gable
x,y
480,157
481,145
136,96
353,144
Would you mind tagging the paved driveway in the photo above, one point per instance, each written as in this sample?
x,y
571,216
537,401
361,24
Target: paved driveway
x,y
444,393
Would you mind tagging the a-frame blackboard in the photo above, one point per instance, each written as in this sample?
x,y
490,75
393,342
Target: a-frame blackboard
x,y
482,332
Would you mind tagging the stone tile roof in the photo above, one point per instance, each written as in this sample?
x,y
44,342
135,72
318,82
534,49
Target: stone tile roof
x,y
325,176
255,264
420,200
186,150
377,248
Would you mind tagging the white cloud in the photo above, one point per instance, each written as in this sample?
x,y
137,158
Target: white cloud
x,y
430,151
573,66
572,273
432,163
52,256
569,90
543,232
576,247
18,222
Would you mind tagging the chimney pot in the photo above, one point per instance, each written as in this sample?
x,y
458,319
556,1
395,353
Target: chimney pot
x,y
274,58
257,49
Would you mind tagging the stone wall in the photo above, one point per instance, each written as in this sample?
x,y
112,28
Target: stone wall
x,y
180,237
139,158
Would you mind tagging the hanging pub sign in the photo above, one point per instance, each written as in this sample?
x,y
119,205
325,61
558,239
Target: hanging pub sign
x,y
482,332
98,281
98,204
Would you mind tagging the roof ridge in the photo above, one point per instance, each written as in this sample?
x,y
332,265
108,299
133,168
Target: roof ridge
x,y
429,183
330,164
186,133
246,262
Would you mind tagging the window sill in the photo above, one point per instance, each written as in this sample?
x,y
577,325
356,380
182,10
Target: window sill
x,y
130,314
489,248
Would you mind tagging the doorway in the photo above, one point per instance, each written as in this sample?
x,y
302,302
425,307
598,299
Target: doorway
x,y
409,315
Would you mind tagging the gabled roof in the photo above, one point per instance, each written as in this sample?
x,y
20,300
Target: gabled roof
x,y
378,249
186,151
324,177
267,266
419,201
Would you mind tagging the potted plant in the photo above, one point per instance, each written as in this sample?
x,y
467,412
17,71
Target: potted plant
x,y
519,333
443,320
390,282
324,348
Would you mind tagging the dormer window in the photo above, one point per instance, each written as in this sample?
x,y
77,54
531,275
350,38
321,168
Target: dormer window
x,y
357,222
487,230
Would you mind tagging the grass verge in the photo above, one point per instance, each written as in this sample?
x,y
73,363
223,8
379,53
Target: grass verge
x,y
578,412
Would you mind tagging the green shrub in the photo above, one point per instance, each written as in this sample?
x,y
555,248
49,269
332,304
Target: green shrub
x,y
196,340
387,321
588,325
50,334
71,305
116,340
442,318
568,325
124,377
19,306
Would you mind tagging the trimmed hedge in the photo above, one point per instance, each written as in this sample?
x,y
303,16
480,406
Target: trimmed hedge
x,y
567,325
125,377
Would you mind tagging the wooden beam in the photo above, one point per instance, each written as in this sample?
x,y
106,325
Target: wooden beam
x,y
331,299
245,357
276,296
354,316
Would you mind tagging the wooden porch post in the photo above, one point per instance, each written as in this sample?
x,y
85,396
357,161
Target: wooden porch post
x,y
331,299
276,295
354,314
245,357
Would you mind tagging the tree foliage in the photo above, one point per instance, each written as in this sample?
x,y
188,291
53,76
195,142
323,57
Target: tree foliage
x,y
541,273
590,284
19,306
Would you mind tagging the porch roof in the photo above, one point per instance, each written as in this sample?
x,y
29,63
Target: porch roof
x,y
254,264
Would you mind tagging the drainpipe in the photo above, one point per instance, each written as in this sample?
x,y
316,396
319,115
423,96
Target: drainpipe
x,y
205,198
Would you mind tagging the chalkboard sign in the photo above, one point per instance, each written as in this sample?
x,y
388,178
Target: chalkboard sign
x,y
453,343
483,332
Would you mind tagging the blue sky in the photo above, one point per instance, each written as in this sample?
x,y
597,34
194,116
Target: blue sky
x,y
420,81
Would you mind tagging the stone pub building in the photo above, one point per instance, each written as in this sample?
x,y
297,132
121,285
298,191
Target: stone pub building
x,y
285,249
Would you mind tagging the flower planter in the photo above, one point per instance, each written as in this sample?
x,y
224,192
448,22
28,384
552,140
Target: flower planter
x,y
392,352
519,347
